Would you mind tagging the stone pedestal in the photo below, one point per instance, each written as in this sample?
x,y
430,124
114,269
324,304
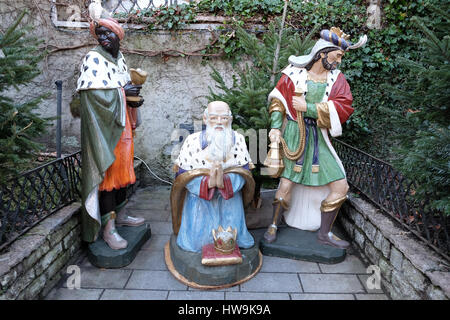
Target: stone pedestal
x,y
102,256
187,267
298,244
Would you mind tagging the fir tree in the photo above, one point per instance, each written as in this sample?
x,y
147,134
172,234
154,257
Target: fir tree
x,y
247,96
424,142
19,123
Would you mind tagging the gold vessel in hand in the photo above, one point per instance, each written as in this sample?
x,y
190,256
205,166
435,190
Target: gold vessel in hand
x,y
274,159
138,77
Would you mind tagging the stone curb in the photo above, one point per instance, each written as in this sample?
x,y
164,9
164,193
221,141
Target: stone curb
x,y
30,260
410,269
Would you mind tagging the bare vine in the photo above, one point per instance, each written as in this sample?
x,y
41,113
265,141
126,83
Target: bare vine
x,y
40,17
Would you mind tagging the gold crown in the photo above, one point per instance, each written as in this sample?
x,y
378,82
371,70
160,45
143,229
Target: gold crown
x,y
339,33
224,240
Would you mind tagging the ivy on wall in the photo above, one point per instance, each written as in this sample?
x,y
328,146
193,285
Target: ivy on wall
x,y
369,128
167,17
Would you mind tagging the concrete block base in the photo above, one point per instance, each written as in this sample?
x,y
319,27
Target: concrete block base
x,y
102,256
298,244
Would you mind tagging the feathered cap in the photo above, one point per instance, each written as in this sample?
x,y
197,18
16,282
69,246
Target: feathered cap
x,y
333,38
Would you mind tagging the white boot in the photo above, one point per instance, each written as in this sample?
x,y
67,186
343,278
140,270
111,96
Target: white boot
x,y
111,236
125,220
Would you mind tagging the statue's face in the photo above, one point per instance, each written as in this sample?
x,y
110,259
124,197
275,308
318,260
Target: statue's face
x,y
107,39
219,134
219,115
331,59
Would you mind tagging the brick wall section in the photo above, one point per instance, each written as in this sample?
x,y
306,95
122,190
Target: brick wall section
x,y
409,269
36,261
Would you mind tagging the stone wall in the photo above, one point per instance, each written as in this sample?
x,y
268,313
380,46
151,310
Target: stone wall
x,y
35,262
175,91
409,269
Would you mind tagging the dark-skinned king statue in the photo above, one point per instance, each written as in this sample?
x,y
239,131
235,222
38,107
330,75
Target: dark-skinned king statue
x,y
109,101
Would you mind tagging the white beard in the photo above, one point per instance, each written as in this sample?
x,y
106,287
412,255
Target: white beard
x,y
220,142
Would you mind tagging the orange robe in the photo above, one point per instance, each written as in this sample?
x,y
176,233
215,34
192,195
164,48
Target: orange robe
x,y
121,173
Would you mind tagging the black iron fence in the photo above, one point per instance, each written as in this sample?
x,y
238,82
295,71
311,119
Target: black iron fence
x,y
128,6
393,193
26,200
29,198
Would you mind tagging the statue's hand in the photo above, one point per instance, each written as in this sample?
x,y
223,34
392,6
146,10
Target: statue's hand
x,y
135,104
132,89
275,135
212,177
219,177
299,103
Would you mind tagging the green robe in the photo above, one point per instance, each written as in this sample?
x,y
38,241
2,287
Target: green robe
x,y
329,169
102,122
100,132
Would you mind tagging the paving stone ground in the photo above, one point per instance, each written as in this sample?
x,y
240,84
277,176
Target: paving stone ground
x,y
147,277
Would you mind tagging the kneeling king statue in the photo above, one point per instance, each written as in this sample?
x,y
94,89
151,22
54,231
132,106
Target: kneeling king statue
x,y
213,181
211,246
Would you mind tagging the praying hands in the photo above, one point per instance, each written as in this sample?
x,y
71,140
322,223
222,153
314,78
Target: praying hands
x,y
216,176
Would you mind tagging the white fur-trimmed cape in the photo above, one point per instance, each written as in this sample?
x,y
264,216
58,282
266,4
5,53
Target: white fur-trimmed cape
x,y
97,72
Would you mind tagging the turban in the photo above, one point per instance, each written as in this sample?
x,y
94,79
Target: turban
x,y
109,23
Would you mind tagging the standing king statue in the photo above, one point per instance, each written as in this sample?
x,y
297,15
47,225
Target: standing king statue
x,y
106,135
311,99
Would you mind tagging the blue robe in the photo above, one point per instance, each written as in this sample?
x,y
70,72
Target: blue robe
x,y
201,216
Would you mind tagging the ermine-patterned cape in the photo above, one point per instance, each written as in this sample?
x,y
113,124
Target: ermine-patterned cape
x,y
196,208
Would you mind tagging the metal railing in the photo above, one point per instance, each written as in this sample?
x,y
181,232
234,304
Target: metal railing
x,y
34,195
128,6
31,197
389,190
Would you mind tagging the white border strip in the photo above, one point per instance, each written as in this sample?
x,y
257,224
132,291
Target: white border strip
x,y
85,25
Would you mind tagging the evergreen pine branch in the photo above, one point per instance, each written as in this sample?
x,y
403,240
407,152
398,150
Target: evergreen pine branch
x,y
423,138
431,36
20,125
442,11
12,28
252,47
